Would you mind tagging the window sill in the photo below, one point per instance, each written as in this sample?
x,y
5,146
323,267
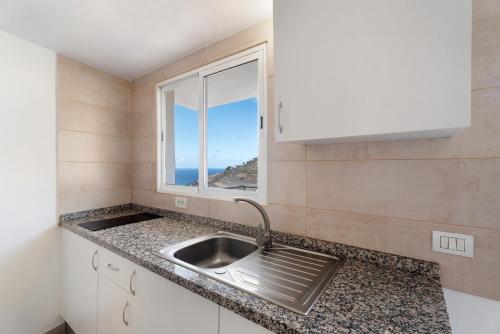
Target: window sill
x,y
217,194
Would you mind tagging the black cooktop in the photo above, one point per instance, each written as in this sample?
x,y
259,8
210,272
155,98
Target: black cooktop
x,y
118,221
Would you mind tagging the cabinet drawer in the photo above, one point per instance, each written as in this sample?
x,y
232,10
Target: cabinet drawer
x,y
117,269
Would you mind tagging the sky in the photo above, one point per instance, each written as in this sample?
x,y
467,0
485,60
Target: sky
x,y
232,135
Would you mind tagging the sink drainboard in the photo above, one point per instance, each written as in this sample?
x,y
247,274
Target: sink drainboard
x,y
290,277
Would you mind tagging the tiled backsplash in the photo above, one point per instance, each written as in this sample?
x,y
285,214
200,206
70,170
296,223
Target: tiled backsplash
x,y
386,196
94,147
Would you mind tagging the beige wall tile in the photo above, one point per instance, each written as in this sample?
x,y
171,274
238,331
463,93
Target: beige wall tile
x,y
195,205
79,201
413,239
143,124
240,213
143,175
142,196
83,176
84,83
143,97
478,141
286,218
486,53
459,192
485,8
144,149
289,219
85,147
83,117
285,151
286,182
478,280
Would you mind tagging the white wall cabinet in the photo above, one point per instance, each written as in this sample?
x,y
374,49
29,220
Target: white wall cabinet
x,y
359,70
80,283
119,297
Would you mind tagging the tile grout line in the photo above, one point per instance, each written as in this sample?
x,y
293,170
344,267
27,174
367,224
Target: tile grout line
x,y
93,133
95,106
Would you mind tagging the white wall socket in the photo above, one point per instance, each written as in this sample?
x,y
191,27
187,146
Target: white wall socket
x,y
452,243
181,202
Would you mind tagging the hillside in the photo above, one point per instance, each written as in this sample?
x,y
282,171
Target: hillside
x,y
242,177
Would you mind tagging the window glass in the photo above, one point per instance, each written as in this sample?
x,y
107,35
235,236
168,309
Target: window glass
x,y
232,142
182,138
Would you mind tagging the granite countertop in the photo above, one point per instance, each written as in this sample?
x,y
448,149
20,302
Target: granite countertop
x,y
372,293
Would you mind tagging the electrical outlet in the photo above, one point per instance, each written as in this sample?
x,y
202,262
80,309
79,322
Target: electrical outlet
x,y
181,202
452,243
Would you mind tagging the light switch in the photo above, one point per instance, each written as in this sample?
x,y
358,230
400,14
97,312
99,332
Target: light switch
x,y
453,243
181,202
444,242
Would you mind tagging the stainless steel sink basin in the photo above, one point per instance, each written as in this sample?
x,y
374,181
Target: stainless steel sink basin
x,y
290,277
218,251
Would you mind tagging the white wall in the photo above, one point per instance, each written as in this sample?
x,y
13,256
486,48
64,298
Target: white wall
x,y
29,237
470,314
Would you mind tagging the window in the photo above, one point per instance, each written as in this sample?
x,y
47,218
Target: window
x,y
211,129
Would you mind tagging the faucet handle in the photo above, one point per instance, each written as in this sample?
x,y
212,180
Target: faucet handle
x,y
260,236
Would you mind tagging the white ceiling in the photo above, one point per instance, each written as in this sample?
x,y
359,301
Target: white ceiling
x,y
129,37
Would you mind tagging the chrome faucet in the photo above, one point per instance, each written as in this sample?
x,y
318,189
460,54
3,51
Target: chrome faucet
x,y
263,239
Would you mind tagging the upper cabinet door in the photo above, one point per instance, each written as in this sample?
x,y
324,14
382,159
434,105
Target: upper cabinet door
x,y
358,70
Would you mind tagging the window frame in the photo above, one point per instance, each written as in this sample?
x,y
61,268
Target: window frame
x,y
256,53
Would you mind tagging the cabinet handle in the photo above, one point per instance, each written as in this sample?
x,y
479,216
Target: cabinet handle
x,y
93,261
132,291
125,321
280,108
112,267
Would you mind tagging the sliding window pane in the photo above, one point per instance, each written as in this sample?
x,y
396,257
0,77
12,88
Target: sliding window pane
x,y
181,101
232,128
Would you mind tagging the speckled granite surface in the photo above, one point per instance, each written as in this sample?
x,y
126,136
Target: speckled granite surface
x,y
372,293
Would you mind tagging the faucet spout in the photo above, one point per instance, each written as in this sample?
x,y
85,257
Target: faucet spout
x,y
267,241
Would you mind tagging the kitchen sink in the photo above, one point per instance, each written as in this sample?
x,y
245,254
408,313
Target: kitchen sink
x,y
290,277
218,251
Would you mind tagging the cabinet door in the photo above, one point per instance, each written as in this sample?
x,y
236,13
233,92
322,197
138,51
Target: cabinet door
x,y
231,323
80,260
114,308
362,70
163,307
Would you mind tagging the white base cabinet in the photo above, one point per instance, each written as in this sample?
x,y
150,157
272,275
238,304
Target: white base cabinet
x,y
161,306
107,294
80,277
113,309
364,70
231,323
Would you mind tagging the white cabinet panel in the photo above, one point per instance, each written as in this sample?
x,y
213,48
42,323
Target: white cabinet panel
x,y
161,306
231,323
117,269
352,70
80,261
114,309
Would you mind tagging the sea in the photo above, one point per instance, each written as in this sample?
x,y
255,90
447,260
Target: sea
x,y
184,176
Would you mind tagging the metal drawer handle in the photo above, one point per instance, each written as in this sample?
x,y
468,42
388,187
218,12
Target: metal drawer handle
x,y
112,267
93,261
280,108
132,291
125,321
